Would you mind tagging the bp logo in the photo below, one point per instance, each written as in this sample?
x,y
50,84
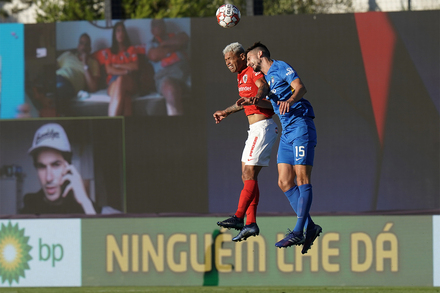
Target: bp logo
x,y
14,253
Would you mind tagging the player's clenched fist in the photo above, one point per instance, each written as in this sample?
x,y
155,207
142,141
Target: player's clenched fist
x,y
219,116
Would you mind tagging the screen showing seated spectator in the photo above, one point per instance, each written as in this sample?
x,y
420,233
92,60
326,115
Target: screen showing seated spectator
x,y
123,68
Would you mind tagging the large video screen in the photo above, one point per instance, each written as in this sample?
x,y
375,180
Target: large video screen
x,y
123,68
62,167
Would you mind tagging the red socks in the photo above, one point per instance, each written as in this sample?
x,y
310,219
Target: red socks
x,y
248,202
251,212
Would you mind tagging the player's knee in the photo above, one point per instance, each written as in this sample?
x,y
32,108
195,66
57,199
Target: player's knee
x,y
284,185
248,174
302,180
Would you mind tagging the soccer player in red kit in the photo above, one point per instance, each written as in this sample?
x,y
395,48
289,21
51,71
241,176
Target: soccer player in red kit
x,y
261,137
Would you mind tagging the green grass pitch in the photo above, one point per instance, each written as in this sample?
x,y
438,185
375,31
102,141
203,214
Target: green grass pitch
x,y
225,290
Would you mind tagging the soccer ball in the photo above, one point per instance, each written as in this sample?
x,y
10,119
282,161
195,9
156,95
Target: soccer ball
x,y
228,15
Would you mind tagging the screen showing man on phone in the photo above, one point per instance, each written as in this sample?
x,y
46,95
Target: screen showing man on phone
x,y
62,189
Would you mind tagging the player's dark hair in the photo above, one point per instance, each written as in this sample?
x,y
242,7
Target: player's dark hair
x,y
260,47
125,42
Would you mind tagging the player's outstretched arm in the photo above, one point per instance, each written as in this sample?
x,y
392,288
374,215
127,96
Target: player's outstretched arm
x,y
262,103
222,114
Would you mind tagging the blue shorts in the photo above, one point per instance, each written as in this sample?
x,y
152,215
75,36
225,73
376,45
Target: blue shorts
x,y
297,144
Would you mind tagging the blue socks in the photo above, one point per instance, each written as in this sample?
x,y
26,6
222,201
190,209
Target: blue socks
x,y
292,195
300,199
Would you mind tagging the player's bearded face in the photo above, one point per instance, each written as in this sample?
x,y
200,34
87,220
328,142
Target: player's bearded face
x,y
253,61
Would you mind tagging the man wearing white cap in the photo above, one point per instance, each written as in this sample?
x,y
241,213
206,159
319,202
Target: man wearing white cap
x,y
62,189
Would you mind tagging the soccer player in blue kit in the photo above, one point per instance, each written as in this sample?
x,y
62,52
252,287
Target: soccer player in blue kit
x,y
297,143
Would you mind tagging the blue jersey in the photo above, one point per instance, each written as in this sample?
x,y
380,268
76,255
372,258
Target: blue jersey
x,y
279,78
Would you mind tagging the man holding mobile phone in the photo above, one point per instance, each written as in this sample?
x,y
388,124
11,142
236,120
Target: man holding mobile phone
x,y
62,189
